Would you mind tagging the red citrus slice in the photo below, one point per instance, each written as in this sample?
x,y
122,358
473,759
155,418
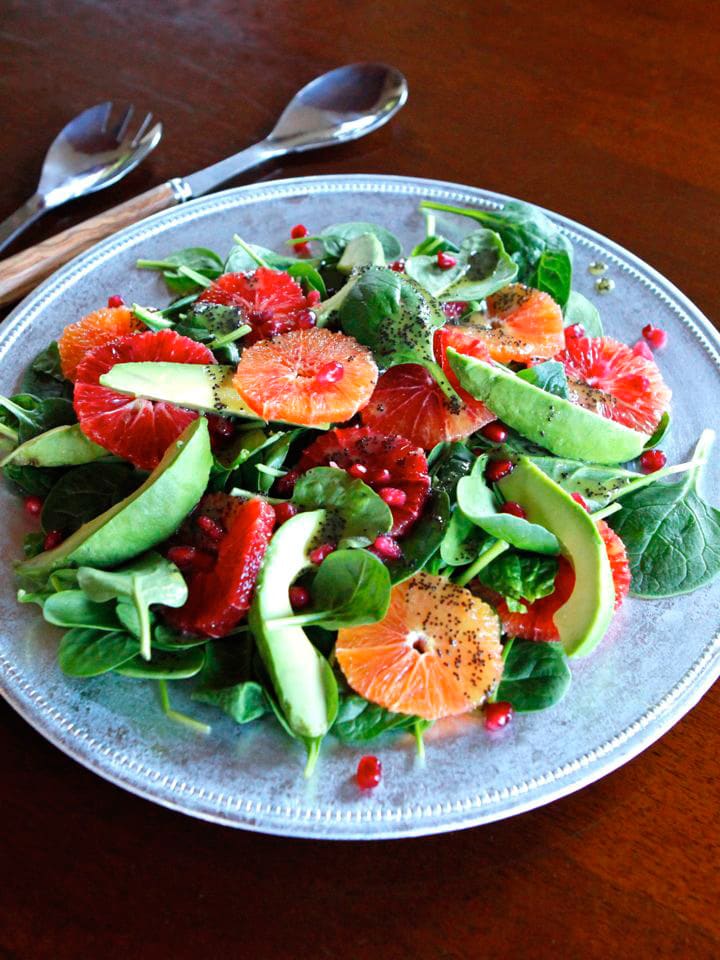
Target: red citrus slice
x,y
94,330
270,300
309,377
137,430
390,465
605,376
220,590
436,654
520,324
408,401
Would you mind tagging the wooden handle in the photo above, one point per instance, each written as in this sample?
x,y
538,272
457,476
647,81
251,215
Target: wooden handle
x,y
20,273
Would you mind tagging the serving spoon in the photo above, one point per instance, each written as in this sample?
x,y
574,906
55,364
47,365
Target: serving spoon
x,y
338,106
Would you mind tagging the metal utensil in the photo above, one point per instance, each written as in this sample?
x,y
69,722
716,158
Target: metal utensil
x,y
338,106
94,150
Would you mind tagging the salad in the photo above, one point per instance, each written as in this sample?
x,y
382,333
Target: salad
x,y
352,490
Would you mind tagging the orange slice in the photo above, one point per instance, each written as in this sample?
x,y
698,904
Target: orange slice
x,y
521,324
94,330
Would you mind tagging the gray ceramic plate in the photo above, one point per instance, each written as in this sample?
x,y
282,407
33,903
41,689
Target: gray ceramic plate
x,y
654,665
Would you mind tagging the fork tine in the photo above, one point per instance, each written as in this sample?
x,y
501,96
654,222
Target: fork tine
x,y
147,120
120,129
104,110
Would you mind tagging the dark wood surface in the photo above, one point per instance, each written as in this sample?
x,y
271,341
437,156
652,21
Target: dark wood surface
x,y
606,112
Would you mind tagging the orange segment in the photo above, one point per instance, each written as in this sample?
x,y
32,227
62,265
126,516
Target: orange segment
x,y
521,324
436,654
94,330
308,377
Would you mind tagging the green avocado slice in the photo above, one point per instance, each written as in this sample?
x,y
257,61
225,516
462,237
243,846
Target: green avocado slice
x,y
60,447
584,619
142,520
563,428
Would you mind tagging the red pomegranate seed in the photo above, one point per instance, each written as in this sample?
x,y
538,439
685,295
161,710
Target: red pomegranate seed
x,y
210,527
299,230
652,460
445,261
381,476
331,372
575,331
495,432
116,301
319,553
220,429
497,469
299,598
656,337
514,509
579,498
454,309
313,298
182,557
641,349
386,548
369,773
283,512
393,496
303,249
358,470
284,485
53,539
497,715
398,266
33,506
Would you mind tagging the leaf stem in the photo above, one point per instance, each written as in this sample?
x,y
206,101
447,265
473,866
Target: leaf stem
x,y
606,511
151,318
486,557
143,612
9,433
182,718
250,252
418,731
18,412
193,275
313,752
231,337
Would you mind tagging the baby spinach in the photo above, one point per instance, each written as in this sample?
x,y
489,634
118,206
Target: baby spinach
x,y
357,514
463,541
359,721
71,608
660,431
85,492
482,268
30,415
553,271
44,377
421,544
597,483
247,257
448,462
579,309
307,273
227,681
84,652
549,376
199,260
672,536
165,665
270,454
31,481
336,237
520,578
535,675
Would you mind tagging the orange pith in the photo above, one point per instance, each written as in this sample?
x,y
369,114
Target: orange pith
x,y
520,324
94,330
278,378
436,654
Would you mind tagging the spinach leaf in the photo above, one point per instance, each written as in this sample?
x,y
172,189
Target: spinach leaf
x,y
596,483
359,721
227,681
247,257
351,588
85,492
165,665
306,272
258,471
33,544
358,514
549,376
553,271
579,309
449,462
165,638
200,260
463,541
31,481
482,268
44,377
672,536
335,238
432,245
421,544
71,608
520,578
84,652
535,676
660,431
30,415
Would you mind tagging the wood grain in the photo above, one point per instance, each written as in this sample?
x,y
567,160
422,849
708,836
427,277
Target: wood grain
x,y
607,113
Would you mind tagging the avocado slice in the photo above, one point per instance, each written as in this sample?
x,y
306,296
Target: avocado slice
x,y
363,251
142,520
63,446
303,680
584,619
560,426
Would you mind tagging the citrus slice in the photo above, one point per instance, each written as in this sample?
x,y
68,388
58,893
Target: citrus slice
x,y
133,428
307,377
385,463
607,377
270,301
520,324
408,401
94,330
436,654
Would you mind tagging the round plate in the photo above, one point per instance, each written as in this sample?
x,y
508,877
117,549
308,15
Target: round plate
x,y
653,666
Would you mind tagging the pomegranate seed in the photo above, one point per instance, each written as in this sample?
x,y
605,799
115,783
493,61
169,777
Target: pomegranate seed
x,y
497,715
641,349
393,496
386,548
652,460
283,512
299,598
445,261
575,331
182,557
285,485
579,498
514,509
299,230
313,298
33,506
116,301
319,553
495,432
220,429
210,527
369,773
398,266
331,372
382,475
53,539
358,470
303,249
454,309
656,337
497,469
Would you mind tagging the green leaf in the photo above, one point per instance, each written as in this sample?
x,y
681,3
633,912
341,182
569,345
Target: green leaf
x,y
549,376
482,268
463,541
247,257
580,310
85,492
553,272
307,273
227,681
596,483
449,462
423,541
271,453
165,665
359,721
71,608
84,652
44,377
358,514
661,430
535,676
520,577
351,588
202,261
32,481
31,416
335,238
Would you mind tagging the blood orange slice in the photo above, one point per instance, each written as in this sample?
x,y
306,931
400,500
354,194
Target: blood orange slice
x,y
94,330
270,300
220,593
607,377
308,377
385,463
436,654
520,324
137,430
408,401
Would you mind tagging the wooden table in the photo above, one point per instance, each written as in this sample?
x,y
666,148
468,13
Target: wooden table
x,y
606,112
